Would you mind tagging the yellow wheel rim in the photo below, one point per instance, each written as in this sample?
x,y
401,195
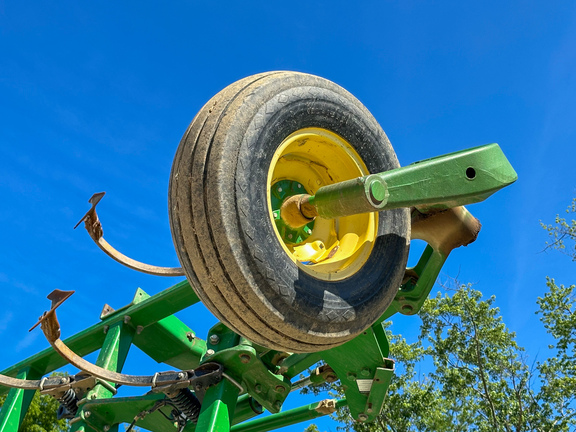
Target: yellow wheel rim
x,y
314,157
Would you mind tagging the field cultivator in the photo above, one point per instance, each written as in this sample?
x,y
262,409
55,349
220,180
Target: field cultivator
x,y
292,220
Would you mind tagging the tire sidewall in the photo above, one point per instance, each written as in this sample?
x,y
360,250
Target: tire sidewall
x,y
332,309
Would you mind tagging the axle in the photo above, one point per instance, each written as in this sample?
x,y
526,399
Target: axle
x,y
456,179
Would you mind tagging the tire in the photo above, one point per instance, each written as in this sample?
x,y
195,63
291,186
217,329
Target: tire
x,y
225,236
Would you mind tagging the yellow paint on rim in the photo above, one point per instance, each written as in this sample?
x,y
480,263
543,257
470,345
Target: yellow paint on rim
x,y
316,157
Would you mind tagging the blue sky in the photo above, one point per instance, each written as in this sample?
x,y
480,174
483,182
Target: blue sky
x,y
96,96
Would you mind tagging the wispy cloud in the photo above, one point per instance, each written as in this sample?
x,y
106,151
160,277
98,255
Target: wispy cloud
x,y
5,320
28,289
26,341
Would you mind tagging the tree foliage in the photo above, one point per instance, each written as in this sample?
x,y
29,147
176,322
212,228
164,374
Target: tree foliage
x,y
563,233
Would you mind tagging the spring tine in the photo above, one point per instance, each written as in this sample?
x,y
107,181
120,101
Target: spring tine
x,y
94,228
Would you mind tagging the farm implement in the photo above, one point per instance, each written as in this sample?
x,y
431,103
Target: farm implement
x,y
292,220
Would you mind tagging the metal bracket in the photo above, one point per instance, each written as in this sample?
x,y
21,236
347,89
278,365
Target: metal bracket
x,y
204,376
51,328
94,228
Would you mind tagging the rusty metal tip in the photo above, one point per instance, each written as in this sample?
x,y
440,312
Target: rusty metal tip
x,y
40,319
95,199
58,296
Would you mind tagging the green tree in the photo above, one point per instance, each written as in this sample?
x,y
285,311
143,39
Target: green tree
x,y
557,310
563,233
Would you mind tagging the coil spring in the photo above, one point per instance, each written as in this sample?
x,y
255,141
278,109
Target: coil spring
x,y
68,405
187,403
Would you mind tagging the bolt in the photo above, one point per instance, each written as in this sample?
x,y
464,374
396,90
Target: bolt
x,y
280,389
289,236
93,396
210,352
127,319
279,189
351,376
139,329
407,308
331,378
369,410
258,388
299,186
365,372
377,192
245,358
181,375
87,414
214,339
277,405
63,380
190,336
106,428
105,328
362,417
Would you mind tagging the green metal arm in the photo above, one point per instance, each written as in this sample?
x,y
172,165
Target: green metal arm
x,y
456,179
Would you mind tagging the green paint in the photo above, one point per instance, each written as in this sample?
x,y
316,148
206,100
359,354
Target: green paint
x,y
111,357
415,291
123,410
16,404
358,373
218,408
143,313
287,418
243,364
452,180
